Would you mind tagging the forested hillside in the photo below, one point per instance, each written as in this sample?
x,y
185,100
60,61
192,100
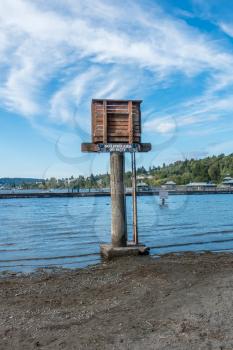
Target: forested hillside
x,y
182,172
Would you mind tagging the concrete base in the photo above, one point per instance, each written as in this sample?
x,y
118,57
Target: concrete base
x,y
108,251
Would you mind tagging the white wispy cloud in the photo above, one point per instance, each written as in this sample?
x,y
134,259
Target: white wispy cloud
x,y
221,147
64,52
202,111
164,125
67,99
227,28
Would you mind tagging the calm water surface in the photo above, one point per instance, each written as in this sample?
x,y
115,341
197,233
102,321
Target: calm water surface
x,y
44,232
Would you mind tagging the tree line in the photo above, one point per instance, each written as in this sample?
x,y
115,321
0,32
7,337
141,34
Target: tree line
x,y
209,169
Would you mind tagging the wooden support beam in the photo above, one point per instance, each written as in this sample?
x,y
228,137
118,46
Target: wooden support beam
x,y
134,199
119,221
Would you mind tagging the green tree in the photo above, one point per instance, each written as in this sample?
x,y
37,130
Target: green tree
x,y
214,172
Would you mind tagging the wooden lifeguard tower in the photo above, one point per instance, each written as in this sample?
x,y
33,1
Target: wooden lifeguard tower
x,y
116,129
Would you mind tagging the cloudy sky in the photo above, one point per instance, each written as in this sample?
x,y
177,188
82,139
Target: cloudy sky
x,y
55,56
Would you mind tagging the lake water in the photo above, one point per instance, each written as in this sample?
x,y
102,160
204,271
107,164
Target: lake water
x,y
44,232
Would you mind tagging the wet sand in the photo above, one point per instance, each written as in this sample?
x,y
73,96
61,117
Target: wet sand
x,y
176,302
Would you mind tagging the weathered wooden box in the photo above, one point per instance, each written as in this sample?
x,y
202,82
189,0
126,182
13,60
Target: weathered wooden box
x,y
116,121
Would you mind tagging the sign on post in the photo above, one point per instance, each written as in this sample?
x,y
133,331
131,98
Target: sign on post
x,y
163,194
118,147
116,129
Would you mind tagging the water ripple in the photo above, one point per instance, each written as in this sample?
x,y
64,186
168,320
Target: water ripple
x,y
67,231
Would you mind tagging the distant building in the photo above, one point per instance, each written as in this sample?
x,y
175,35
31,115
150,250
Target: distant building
x,y
143,177
227,178
142,186
200,186
169,185
227,181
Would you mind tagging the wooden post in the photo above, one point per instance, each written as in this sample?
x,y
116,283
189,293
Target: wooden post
x,y
119,220
134,199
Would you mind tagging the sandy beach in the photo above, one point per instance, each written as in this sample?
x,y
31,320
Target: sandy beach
x,y
175,302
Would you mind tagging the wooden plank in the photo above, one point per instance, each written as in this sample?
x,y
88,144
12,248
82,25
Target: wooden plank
x,y
116,119
118,134
125,106
117,122
112,128
119,106
99,118
99,133
118,127
117,111
117,102
121,139
118,115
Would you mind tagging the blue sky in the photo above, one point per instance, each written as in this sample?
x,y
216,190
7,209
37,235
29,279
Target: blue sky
x,y
55,56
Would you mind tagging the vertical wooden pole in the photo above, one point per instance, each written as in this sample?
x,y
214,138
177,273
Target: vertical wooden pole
x,y
93,121
105,127
134,199
119,220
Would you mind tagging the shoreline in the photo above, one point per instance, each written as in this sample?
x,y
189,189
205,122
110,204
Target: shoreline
x,y
104,194
174,302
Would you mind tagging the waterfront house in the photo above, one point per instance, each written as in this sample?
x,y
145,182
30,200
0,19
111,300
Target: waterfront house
x,y
169,185
143,177
200,186
142,186
227,181
227,178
